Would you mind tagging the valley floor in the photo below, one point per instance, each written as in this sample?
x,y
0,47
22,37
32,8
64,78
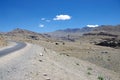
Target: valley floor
x,y
29,64
106,57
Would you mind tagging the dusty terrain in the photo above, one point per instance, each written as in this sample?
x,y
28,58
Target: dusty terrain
x,y
28,64
85,49
2,41
106,57
102,56
70,59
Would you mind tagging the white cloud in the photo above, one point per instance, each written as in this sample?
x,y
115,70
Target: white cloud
x,y
41,25
92,25
42,19
62,17
48,20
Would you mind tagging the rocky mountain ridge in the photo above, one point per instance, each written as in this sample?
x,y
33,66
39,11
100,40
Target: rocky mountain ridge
x,y
103,30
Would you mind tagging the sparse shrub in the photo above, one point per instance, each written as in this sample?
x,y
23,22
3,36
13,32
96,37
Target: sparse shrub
x,y
63,43
33,37
89,73
108,59
104,52
62,53
100,78
77,64
98,56
89,68
57,43
67,55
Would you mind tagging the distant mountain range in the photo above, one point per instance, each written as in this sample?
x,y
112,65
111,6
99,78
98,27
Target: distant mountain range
x,y
68,31
64,34
80,31
77,30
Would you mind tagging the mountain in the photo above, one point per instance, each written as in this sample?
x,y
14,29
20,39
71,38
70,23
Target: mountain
x,y
108,28
78,32
21,34
66,34
75,30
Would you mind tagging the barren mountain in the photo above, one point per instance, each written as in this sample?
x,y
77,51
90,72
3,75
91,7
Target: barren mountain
x,y
76,33
22,34
108,28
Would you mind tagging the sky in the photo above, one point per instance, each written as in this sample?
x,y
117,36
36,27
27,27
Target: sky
x,y
50,15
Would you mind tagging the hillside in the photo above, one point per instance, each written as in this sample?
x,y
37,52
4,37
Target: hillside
x,y
77,33
108,28
2,41
74,33
23,35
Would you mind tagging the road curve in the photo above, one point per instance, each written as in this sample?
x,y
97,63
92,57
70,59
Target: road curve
x,y
7,51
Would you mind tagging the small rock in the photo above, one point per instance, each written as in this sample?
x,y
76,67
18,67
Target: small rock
x,y
40,60
44,74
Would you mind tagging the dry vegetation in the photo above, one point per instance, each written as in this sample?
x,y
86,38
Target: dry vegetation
x,y
84,49
2,41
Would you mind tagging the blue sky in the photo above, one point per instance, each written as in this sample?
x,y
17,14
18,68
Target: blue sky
x,y
51,15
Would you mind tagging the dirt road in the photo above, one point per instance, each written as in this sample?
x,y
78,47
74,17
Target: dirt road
x,y
29,64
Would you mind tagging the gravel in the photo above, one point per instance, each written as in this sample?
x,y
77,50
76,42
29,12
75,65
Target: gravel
x,y
28,64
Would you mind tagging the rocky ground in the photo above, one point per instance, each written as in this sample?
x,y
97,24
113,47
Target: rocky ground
x,y
84,49
29,64
2,41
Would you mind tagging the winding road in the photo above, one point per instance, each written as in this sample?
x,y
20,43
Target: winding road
x,y
7,51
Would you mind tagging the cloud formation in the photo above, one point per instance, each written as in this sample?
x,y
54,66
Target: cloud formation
x,y
41,25
92,25
46,20
62,17
42,19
